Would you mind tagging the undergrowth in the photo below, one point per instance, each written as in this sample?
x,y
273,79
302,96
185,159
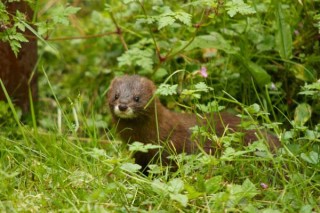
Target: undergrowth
x,y
258,58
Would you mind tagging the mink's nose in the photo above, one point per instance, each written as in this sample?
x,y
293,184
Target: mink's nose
x,y
123,107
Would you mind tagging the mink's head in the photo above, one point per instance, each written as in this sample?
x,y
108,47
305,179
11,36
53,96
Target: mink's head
x,y
129,95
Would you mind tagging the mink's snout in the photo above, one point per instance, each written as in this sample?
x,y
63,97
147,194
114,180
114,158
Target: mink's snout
x,y
123,107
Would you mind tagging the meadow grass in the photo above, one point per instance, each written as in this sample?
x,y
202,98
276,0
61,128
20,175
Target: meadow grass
x,y
46,170
64,159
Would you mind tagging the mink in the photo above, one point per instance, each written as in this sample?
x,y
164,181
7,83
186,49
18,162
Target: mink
x,y
139,116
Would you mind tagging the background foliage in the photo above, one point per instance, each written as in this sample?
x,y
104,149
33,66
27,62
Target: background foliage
x,y
211,54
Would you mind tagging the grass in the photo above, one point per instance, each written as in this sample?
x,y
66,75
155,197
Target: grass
x,y
55,164
48,171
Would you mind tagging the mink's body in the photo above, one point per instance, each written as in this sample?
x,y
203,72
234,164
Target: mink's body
x,y
139,119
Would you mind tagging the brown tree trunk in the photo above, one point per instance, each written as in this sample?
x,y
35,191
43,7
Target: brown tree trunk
x,y
16,71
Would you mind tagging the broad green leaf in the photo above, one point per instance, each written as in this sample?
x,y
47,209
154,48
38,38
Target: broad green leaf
x,y
213,184
130,167
175,185
192,192
312,135
300,72
160,73
302,113
312,157
249,189
306,209
283,34
182,199
214,40
259,74
159,187
254,108
239,193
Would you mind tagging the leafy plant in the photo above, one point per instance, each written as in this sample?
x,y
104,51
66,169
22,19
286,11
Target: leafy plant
x,y
260,58
12,31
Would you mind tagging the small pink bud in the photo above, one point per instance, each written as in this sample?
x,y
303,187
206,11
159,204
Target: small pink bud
x,y
264,185
203,72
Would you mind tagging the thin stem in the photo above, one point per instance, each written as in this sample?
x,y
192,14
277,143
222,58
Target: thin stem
x,y
119,31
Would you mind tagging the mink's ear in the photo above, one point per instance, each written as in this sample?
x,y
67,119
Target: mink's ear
x,y
151,86
112,83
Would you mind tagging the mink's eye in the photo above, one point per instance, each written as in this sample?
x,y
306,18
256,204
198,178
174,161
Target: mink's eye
x,y
136,98
116,96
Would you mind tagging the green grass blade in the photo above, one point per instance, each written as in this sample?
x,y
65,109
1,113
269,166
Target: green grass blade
x,y
14,112
283,33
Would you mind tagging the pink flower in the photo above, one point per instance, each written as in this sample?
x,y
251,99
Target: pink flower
x,y
203,72
264,185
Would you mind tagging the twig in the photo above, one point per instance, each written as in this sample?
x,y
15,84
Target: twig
x,y
119,31
73,37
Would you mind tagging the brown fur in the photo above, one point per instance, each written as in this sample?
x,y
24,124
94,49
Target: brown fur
x,y
173,129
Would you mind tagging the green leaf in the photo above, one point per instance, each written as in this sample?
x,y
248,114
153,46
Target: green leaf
x,y
238,6
283,34
317,19
15,46
213,184
20,26
302,114
97,153
212,106
175,185
203,87
254,108
170,18
192,192
249,189
214,40
300,72
165,21
137,57
80,178
184,17
61,14
312,157
315,86
180,198
130,167
159,187
141,147
129,1
259,74
18,37
239,193
160,73
167,89
306,209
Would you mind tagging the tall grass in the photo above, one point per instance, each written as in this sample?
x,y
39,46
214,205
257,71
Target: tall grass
x,y
45,170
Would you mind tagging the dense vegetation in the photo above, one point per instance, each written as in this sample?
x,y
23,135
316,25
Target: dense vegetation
x,y
258,58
